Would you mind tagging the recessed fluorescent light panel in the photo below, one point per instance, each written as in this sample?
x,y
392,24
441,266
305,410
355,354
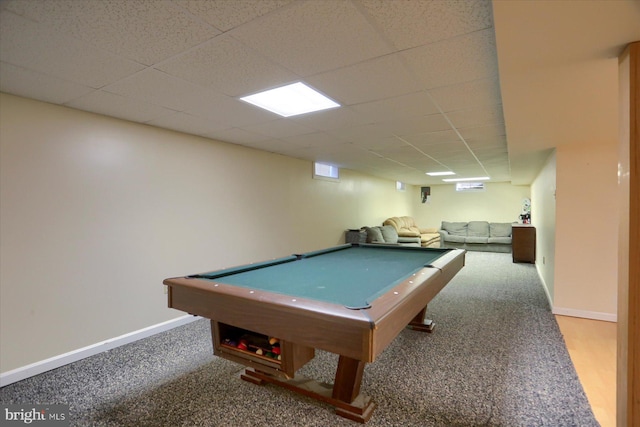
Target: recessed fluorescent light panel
x,y
478,178
291,100
444,173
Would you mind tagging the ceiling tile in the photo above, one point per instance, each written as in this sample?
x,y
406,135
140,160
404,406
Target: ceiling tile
x,y
288,35
159,88
32,84
227,66
437,150
39,48
457,60
397,107
372,80
232,112
225,14
400,154
380,142
429,138
332,119
478,93
487,141
361,132
279,128
418,125
118,106
481,132
143,31
319,140
477,116
421,22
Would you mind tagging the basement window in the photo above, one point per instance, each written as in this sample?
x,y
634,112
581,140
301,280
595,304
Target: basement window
x,y
470,186
326,171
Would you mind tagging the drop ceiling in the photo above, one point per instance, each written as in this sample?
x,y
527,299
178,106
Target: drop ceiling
x,y
421,83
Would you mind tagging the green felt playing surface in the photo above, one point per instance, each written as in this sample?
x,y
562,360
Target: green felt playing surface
x,y
352,276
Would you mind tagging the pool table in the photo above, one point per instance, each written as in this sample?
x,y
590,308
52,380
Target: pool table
x,y
352,300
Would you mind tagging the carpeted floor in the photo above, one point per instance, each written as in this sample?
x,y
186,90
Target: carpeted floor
x,y
496,358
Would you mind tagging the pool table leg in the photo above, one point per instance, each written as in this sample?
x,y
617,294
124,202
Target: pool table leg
x,y
419,323
346,388
344,394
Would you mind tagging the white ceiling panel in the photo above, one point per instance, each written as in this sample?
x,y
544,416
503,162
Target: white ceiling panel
x,y
34,84
366,81
228,66
433,138
36,47
456,60
310,37
379,143
280,128
225,15
418,125
423,22
162,89
483,132
118,106
477,93
476,116
398,107
143,31
333,118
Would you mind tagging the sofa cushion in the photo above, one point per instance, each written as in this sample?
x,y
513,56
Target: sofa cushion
x,y
455,228
374,235
478,229
389,234
412,240
477,239
500,240
500,229
455,239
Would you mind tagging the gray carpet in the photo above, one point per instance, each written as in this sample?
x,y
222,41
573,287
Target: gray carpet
x,y
496,358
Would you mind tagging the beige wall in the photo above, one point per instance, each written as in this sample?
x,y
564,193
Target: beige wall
x,y
586,231
95,212
543,200
500,202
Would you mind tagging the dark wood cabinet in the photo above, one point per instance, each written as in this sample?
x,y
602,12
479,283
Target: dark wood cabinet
x,y
523,242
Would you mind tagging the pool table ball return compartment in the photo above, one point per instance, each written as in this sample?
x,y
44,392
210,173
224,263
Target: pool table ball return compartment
x,y
352,300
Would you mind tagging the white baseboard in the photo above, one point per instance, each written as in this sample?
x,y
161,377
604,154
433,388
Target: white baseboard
x,y
594,315
36,368
585,314
545,287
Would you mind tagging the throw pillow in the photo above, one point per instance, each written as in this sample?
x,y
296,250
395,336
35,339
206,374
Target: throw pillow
x,y
374,235
389,234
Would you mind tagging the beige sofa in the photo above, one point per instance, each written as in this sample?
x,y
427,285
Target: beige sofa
x,y
406,227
